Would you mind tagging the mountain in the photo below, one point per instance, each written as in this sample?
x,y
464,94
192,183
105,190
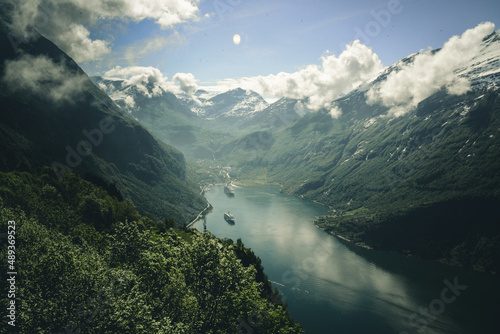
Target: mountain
x,y
425,182
91,262
365,139
200,125
229,106
166,115
151,100
241,111
276,116
138,100
53,115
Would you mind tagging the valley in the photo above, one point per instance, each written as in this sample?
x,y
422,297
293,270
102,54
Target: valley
x,y
344,195
374,171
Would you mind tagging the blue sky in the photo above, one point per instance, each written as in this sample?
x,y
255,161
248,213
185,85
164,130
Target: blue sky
x,y
293,48
287,35
314,50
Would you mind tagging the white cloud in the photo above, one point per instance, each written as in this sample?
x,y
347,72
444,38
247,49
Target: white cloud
x,y
129,102
151,45
66,23
42,77
103,87
300,109
75,42
151,82
187,83
429,72
335,111
148,80
320,83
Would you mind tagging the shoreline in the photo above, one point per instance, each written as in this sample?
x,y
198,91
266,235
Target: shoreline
x,y
200,215
352,242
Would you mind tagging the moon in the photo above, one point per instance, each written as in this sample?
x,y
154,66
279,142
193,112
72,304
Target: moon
x,y
236,39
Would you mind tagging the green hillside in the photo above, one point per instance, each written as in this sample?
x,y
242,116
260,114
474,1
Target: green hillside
x,y
393,183
86,133
94,203
170,120
89,262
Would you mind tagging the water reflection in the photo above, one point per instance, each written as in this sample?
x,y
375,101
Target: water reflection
x,y
328,283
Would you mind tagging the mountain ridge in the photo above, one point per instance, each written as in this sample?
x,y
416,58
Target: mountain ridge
x,y
40,128
374,169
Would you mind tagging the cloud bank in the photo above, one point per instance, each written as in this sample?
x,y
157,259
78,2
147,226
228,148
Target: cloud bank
x,y
429,72
148,80
151,82
42,77
65,23
321,84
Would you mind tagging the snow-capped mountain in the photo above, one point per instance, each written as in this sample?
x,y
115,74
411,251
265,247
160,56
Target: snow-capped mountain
x,y
484,69
277,115
233,104
144,101
122,95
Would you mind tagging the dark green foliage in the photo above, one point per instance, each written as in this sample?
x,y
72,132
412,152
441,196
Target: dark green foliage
x,y
249,258
459,231
169,222
123,157
90,263
109,187
63,204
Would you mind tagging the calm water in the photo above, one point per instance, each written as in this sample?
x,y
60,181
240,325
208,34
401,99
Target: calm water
x,y
334,287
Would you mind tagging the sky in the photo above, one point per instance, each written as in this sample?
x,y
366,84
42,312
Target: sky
x,y
286,35
285,46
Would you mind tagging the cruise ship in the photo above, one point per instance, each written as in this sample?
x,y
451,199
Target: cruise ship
x,y
229,217
228,190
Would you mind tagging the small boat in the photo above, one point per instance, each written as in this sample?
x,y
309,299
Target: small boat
x,y
229,217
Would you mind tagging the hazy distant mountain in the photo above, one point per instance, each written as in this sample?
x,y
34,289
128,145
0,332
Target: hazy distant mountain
x,y
276,116
234,104
52,115
134,100
165,115
199,125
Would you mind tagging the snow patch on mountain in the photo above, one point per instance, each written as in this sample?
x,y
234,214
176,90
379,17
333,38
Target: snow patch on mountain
x,y
235,103
484,69
404,85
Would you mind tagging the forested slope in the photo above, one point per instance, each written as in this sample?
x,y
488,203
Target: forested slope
x,y
88,262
